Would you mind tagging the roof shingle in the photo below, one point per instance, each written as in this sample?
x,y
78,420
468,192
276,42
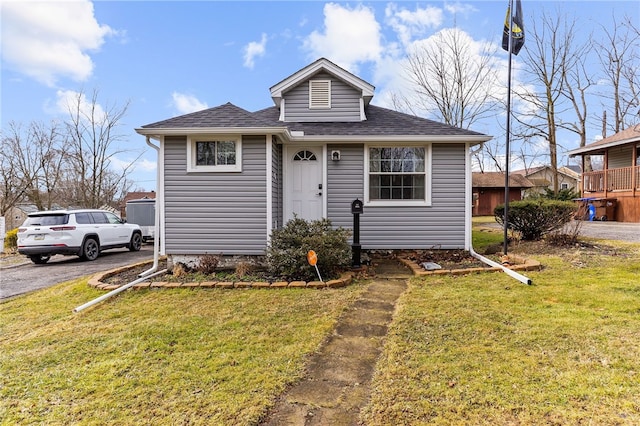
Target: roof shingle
x,y
496,180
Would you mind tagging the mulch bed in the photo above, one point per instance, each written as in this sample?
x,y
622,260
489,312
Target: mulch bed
x,y
447,259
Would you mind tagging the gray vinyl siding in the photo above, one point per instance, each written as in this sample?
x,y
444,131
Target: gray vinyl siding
x,y
345,103
216,213
277,186
440,225
345,183
620,157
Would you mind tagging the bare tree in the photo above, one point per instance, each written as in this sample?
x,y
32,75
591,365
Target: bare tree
x,y
577,81
31,160
93,146
451,80
549,53
619,55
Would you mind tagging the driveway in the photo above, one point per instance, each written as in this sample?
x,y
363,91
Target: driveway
x,y
621,231
23,277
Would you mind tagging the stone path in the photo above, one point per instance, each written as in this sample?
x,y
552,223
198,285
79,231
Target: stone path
x,y
336,384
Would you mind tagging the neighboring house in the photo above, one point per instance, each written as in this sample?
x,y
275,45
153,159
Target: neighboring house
x,y
17,214
488,191
228,176
542,178
620,177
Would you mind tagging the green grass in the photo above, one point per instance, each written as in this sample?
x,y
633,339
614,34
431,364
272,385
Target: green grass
x,y
481,349
487,350
157,357
483,235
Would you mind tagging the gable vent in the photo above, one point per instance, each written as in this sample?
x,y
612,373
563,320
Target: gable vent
x,y
319,93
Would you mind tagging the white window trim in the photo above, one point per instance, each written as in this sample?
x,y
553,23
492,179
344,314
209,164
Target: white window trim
x,y
192,167
395,203
321,84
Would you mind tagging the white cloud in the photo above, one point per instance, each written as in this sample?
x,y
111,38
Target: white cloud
x,y
460,8
253,50
141,165
350,36
70,101
187,103
50,40
408,24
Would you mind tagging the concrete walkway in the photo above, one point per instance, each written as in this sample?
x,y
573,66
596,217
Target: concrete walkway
x,y
336,384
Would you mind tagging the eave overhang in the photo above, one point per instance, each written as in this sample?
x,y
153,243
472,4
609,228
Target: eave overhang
x,y
600,149
179,131
472,139
296,137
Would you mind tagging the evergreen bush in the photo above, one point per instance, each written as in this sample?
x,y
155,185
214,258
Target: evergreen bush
x,y
286,255
535,218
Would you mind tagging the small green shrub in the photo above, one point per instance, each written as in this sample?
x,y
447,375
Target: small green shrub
x,y
535,218
286,255
11,240
568,194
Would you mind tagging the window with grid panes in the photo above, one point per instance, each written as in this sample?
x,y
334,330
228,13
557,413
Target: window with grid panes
x,y
397,173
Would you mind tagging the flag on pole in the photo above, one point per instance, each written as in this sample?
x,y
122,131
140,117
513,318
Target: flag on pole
x,y
517,32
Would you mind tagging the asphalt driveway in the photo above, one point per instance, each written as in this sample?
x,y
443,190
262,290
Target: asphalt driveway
x,y
18,275
620,231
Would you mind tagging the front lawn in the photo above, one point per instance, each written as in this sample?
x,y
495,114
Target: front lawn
x,y
164,357
486,350
479,349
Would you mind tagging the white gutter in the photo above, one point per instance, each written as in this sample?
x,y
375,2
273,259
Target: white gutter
x,y
156,232
116,291
468,215
156,238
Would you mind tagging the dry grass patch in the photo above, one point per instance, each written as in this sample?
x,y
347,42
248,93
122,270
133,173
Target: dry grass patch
x,y
182,356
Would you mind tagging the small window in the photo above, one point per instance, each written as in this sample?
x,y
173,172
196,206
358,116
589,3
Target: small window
x,y
113,219
83,218
398,175
207,154
319,94
304,156
99,217
564,186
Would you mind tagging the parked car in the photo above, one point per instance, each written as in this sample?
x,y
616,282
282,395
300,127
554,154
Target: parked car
x,y
83,233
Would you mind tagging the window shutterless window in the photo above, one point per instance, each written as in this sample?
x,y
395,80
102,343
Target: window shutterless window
x,y
398,175
214,154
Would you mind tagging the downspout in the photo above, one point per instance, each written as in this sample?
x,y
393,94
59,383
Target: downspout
x,y
156,238
116,291
510,272
156,232
472,252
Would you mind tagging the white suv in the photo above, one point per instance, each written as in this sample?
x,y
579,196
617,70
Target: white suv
x,y
83,233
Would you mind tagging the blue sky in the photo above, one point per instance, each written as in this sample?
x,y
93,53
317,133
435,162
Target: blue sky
x,y
169,58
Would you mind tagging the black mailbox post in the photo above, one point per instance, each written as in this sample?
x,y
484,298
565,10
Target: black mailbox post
x,y
356,210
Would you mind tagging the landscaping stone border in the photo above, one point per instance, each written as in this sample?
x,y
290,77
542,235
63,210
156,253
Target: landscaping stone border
x,y
97,282
513,262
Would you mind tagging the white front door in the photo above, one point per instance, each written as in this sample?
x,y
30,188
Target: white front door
x,y
304,192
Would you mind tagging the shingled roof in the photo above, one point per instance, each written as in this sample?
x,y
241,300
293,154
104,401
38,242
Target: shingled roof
x,y
227,115
629,135
496,180
380,122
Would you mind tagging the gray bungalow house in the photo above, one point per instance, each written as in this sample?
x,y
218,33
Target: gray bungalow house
x,y
228,177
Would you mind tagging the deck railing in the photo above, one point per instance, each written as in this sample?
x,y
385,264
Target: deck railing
x,y
620,179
